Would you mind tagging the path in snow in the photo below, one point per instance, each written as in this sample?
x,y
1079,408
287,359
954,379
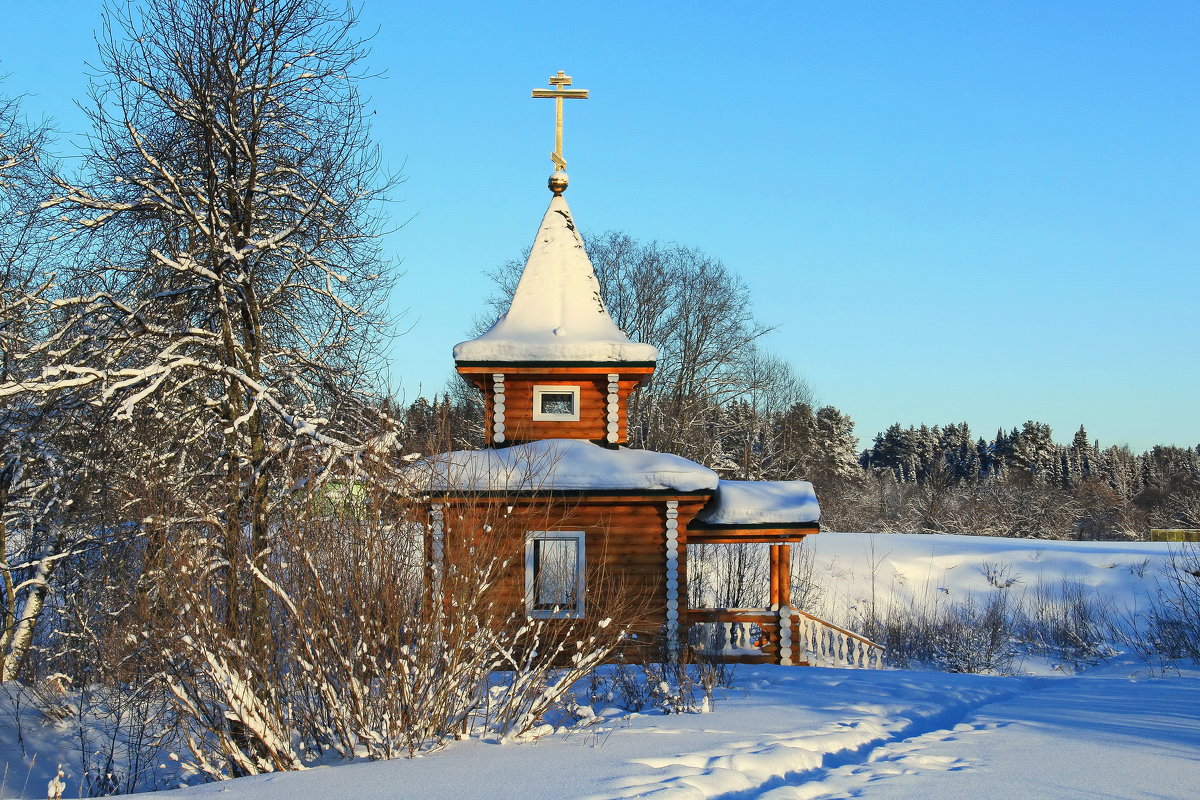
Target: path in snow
x,y
856,712
1065,739
787,733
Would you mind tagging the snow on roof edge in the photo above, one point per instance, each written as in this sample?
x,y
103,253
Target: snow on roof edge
x,y
502,350
761,503
560,465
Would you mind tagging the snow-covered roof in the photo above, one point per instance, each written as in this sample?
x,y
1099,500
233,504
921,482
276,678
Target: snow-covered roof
x,y
560,465
761,503
556,313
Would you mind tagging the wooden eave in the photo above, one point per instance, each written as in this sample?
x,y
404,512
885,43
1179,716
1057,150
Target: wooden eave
x,y
642,369
762,533
566,367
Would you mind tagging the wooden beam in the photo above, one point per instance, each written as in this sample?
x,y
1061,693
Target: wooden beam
x,y
549,368
773,595
709,536
785,574
756,615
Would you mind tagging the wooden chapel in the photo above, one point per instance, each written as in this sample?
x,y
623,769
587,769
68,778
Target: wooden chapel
x,y
587,521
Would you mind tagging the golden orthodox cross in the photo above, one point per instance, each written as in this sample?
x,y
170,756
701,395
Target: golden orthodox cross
x,y
559,93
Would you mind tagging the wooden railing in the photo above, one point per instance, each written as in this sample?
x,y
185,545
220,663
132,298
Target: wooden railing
x,y
786,636
735,635
827,645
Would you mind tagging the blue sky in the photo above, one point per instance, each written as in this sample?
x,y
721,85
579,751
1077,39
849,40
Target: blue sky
x,y
953,211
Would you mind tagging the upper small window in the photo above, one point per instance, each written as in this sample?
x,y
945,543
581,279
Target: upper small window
x,y
556,403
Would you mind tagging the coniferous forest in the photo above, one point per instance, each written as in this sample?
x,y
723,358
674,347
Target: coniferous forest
x,y
939,479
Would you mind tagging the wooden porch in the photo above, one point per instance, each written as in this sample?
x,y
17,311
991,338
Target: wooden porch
x,y
784,636
777,634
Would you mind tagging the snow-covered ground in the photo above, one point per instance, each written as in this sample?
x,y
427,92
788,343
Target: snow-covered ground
x,y
852,566
1120,730
852,570
789,732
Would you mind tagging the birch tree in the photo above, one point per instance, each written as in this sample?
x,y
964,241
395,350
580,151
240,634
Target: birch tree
x,y
33,475
234,278
224,306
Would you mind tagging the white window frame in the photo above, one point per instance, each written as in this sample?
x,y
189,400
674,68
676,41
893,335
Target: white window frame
x,y
574,612
541,416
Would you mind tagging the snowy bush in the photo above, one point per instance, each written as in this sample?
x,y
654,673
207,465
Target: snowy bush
x,y
1169,628
1065,622
358,661
1068,622
672,683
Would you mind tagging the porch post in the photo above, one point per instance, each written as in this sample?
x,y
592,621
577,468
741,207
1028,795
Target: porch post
x,y
781,598
784,559
773,594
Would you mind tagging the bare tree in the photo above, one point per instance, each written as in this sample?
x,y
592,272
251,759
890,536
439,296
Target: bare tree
x,y
35,476
25,232
233,282
225,302
698,314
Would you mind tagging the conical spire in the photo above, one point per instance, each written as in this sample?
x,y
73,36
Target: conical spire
x,y
556,314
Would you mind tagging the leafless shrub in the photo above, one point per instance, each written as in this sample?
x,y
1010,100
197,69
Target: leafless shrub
x,y
122,733
364,657
1068,622
967,636
674,683
626,685
999,574
1169,628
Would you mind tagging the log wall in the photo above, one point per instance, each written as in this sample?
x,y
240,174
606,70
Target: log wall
x,y
625,551
594,413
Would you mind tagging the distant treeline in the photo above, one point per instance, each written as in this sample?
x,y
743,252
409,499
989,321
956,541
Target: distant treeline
x,y
932,479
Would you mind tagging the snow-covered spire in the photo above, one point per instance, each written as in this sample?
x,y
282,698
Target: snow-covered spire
x,y
556,314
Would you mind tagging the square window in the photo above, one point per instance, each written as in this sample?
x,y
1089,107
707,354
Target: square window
x,y
554,574
560,404
556,403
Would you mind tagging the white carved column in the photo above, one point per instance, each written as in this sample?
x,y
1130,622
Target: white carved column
x,y
785,636
614,408
437,551
672,578
498,407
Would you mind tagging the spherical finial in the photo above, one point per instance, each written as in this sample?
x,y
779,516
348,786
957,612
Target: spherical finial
x,y
558,182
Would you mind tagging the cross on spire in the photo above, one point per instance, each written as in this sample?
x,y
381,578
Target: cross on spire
x,y
559,93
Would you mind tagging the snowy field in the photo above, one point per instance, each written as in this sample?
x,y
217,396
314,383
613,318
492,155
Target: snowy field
x,y
790,732
1119,730
854,569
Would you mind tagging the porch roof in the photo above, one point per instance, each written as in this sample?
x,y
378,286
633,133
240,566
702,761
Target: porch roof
x,y
759,510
